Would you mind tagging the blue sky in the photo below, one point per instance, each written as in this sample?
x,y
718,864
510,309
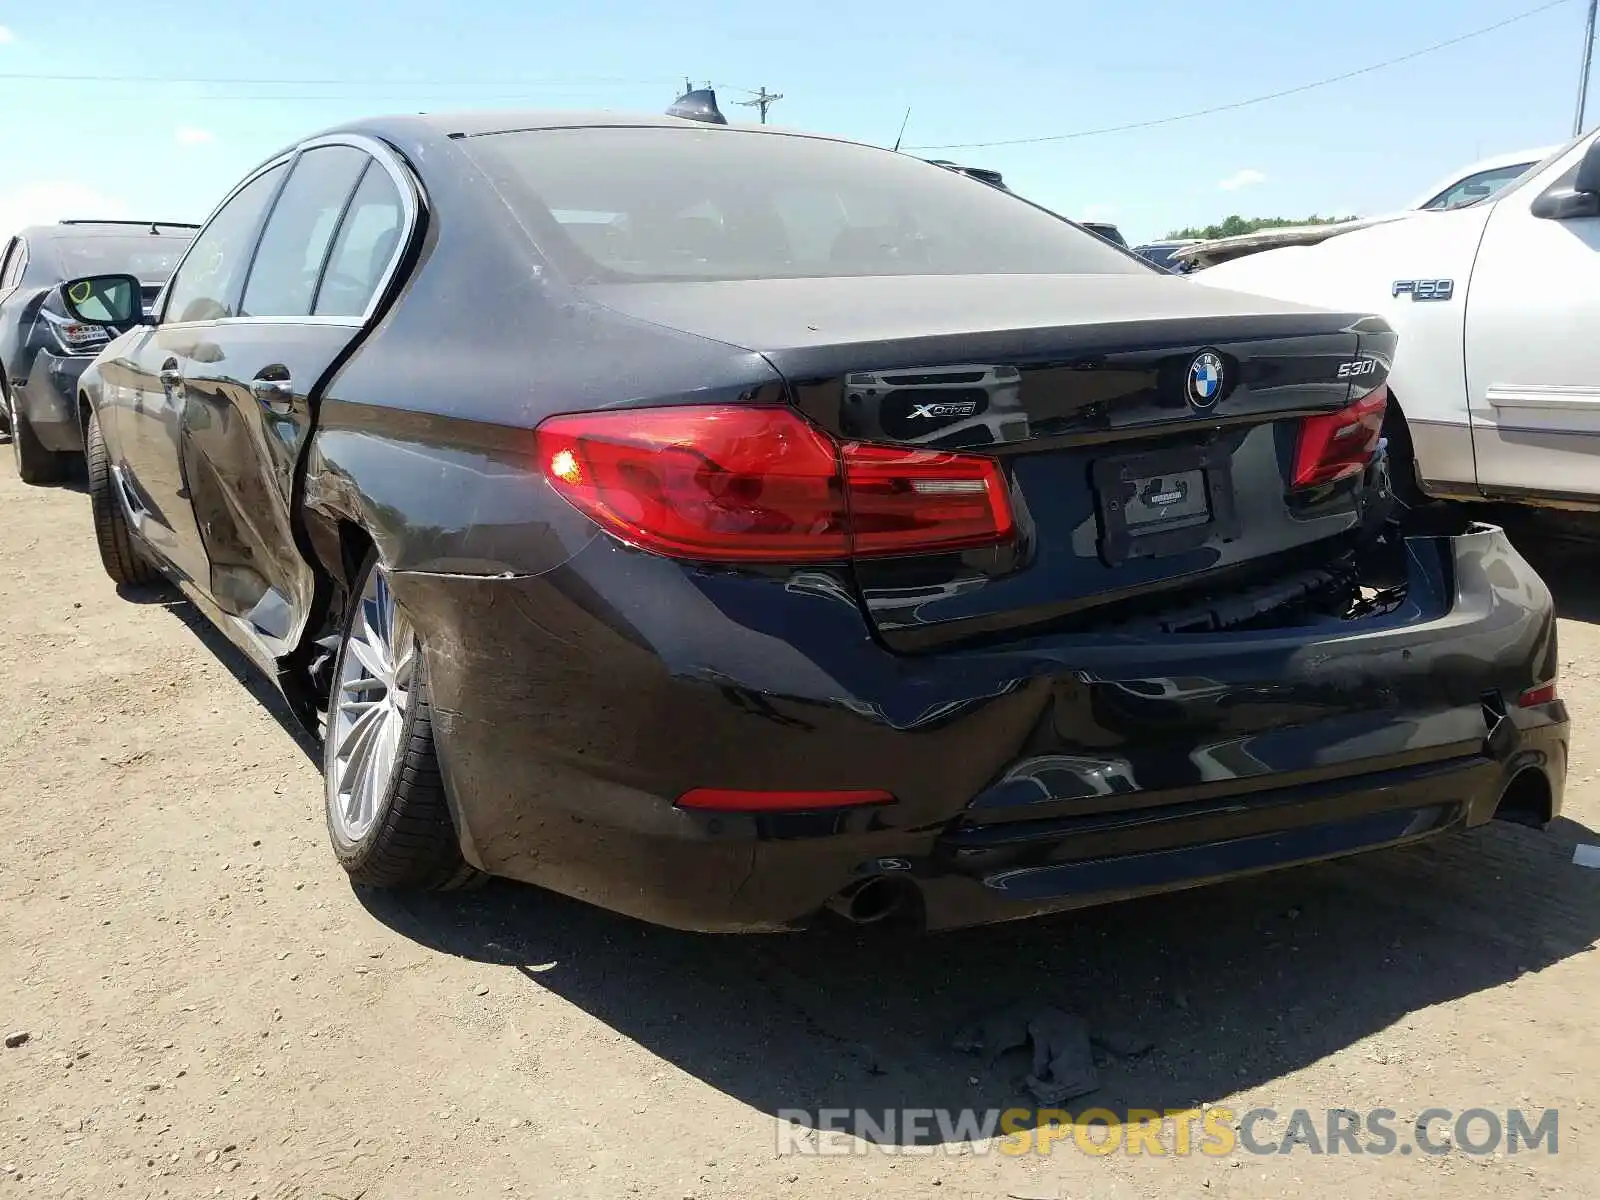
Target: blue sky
x,y
968,71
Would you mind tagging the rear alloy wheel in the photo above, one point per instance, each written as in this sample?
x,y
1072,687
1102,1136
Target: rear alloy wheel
x,y
118,553
35,464
387,816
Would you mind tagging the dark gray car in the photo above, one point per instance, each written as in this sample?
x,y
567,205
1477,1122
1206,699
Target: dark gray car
x,y
43,350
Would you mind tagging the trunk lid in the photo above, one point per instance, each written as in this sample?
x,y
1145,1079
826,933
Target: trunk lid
x,y
1147,430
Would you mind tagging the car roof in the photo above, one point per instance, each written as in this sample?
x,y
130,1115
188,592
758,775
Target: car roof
x,y
71,230
475,122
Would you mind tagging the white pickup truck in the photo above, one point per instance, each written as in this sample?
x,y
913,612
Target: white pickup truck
x,y
1495,387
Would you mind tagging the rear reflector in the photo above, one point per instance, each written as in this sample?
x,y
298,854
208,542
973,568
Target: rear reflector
x,y
745,484
1340,445
1545,693
733,800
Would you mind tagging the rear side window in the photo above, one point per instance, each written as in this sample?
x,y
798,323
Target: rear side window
x,y
205,284
366,244
283,278
150,257
622,204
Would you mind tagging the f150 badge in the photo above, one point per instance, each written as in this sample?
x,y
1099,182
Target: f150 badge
x,y
1424,289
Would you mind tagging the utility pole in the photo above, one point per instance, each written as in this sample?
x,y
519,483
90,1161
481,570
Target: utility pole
x,y
1583,78
763,100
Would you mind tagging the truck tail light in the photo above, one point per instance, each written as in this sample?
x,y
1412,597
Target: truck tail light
x,y
745,484
1340,445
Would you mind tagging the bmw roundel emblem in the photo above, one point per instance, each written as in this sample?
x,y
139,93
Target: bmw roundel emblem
x,y
1205,379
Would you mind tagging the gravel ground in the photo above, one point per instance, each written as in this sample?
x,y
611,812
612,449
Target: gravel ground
x,y
211,1010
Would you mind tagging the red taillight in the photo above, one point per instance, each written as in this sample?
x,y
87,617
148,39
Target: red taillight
x,y
923,500
1545,693
1340,445
738,484
736,800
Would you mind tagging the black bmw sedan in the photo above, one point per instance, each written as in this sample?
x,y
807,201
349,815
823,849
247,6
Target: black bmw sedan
x,y
728,526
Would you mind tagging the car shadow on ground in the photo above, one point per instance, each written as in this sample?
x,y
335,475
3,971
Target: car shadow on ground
x,y
1233,986
261,689
1571,569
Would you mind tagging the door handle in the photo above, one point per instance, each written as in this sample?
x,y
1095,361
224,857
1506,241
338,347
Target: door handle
x,y
277,395
169,377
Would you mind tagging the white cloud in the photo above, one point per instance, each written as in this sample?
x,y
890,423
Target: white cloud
x,y
48,201
189,136
1248,177
6,36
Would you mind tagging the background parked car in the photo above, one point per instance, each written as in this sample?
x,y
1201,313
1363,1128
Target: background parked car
x,y
1480,181
43,350
1160,254
1495,387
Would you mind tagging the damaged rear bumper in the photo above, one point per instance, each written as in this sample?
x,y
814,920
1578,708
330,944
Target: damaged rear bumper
x,y
48,401
1041,776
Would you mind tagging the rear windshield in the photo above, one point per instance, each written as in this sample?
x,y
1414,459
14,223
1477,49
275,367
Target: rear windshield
x,y
656,204
150,258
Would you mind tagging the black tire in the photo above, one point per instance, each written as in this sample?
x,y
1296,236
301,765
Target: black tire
x,y
35,464
412,843
118,553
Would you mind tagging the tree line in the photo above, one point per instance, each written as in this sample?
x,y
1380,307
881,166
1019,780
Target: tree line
x,y
1236,225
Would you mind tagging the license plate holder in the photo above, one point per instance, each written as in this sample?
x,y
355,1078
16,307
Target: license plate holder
x,y
1164,502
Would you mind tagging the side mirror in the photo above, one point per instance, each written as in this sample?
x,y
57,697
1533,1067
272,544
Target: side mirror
x,y
1588,180
1581,198
104,300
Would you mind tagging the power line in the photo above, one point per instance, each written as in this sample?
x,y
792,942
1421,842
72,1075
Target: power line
x,y
578,81
1237,104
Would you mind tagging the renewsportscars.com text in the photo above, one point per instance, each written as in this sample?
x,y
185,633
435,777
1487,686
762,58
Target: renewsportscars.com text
x,y
1214,1132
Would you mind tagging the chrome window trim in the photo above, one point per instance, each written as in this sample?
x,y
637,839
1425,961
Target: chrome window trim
x,y
160,306
410,209
18,267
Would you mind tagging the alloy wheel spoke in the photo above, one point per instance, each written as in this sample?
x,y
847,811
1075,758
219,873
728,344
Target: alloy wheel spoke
x,y
368,718
357,752
405,663
372,658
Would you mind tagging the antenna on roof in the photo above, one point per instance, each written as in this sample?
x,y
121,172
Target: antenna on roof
x,y
698,104
902,132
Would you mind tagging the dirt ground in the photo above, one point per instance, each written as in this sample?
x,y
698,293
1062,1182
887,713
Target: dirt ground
x,y
212,1010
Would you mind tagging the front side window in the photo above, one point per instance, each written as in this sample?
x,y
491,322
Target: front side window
x,y
637,204
1477,187
367,241
204,287
283,279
